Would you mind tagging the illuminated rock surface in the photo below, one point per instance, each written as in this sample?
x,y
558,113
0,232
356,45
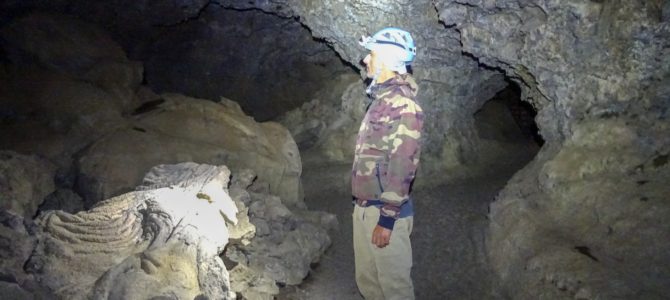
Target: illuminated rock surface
x,y
163,240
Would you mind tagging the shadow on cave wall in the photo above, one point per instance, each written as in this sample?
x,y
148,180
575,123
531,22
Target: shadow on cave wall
x,y
267,63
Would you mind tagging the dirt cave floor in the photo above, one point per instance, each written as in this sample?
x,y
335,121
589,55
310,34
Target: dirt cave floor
x,y
448,239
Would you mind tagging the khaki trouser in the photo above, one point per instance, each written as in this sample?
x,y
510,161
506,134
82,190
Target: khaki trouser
x,y
382,273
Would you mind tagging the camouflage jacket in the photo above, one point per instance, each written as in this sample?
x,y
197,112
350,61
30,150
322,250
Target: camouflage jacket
x,y
388,149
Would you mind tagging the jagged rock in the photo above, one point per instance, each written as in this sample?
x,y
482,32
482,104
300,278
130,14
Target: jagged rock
x,y
573,60
180,128
16,245
251,284
160,241
597,72
285,245
24,182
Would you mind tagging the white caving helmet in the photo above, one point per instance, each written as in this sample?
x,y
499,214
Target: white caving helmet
x,y
394,47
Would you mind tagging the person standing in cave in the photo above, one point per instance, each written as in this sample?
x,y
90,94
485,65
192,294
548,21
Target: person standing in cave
x,y
385,161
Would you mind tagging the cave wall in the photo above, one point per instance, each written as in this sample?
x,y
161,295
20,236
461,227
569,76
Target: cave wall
x,y
584,218
266,63
451,86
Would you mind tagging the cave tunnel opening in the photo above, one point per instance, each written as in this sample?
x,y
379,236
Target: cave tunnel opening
x,y
506,126
267,63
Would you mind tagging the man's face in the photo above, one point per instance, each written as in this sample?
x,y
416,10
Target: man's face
x,y
370,64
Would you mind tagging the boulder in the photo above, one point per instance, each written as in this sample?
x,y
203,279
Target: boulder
x,y
162,240
286,244
584,219
177,128
24,182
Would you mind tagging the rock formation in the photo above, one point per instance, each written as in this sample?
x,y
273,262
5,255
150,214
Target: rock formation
x,y
92,132
164,240
179,128
80,104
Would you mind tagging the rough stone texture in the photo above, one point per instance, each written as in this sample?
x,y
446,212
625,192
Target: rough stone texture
x,y
16,245
178,128
160,241
24,182
596,71
286,242
581,60
452,86
165,240
581,221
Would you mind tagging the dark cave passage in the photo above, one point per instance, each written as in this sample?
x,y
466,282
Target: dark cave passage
x,y
267,63
497,117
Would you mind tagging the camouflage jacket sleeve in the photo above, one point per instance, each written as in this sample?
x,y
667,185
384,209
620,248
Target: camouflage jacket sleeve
x,y
406,123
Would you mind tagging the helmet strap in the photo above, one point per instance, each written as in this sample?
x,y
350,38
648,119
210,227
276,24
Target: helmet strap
x,y
378,71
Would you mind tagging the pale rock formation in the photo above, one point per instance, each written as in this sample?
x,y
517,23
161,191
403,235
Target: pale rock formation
x,y
166,239
178,128
160,241
24,182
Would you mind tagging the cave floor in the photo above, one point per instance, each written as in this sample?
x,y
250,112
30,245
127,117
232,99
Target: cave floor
x,y
448,239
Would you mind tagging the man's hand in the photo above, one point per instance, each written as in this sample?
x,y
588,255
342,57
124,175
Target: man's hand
x,y
381,236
